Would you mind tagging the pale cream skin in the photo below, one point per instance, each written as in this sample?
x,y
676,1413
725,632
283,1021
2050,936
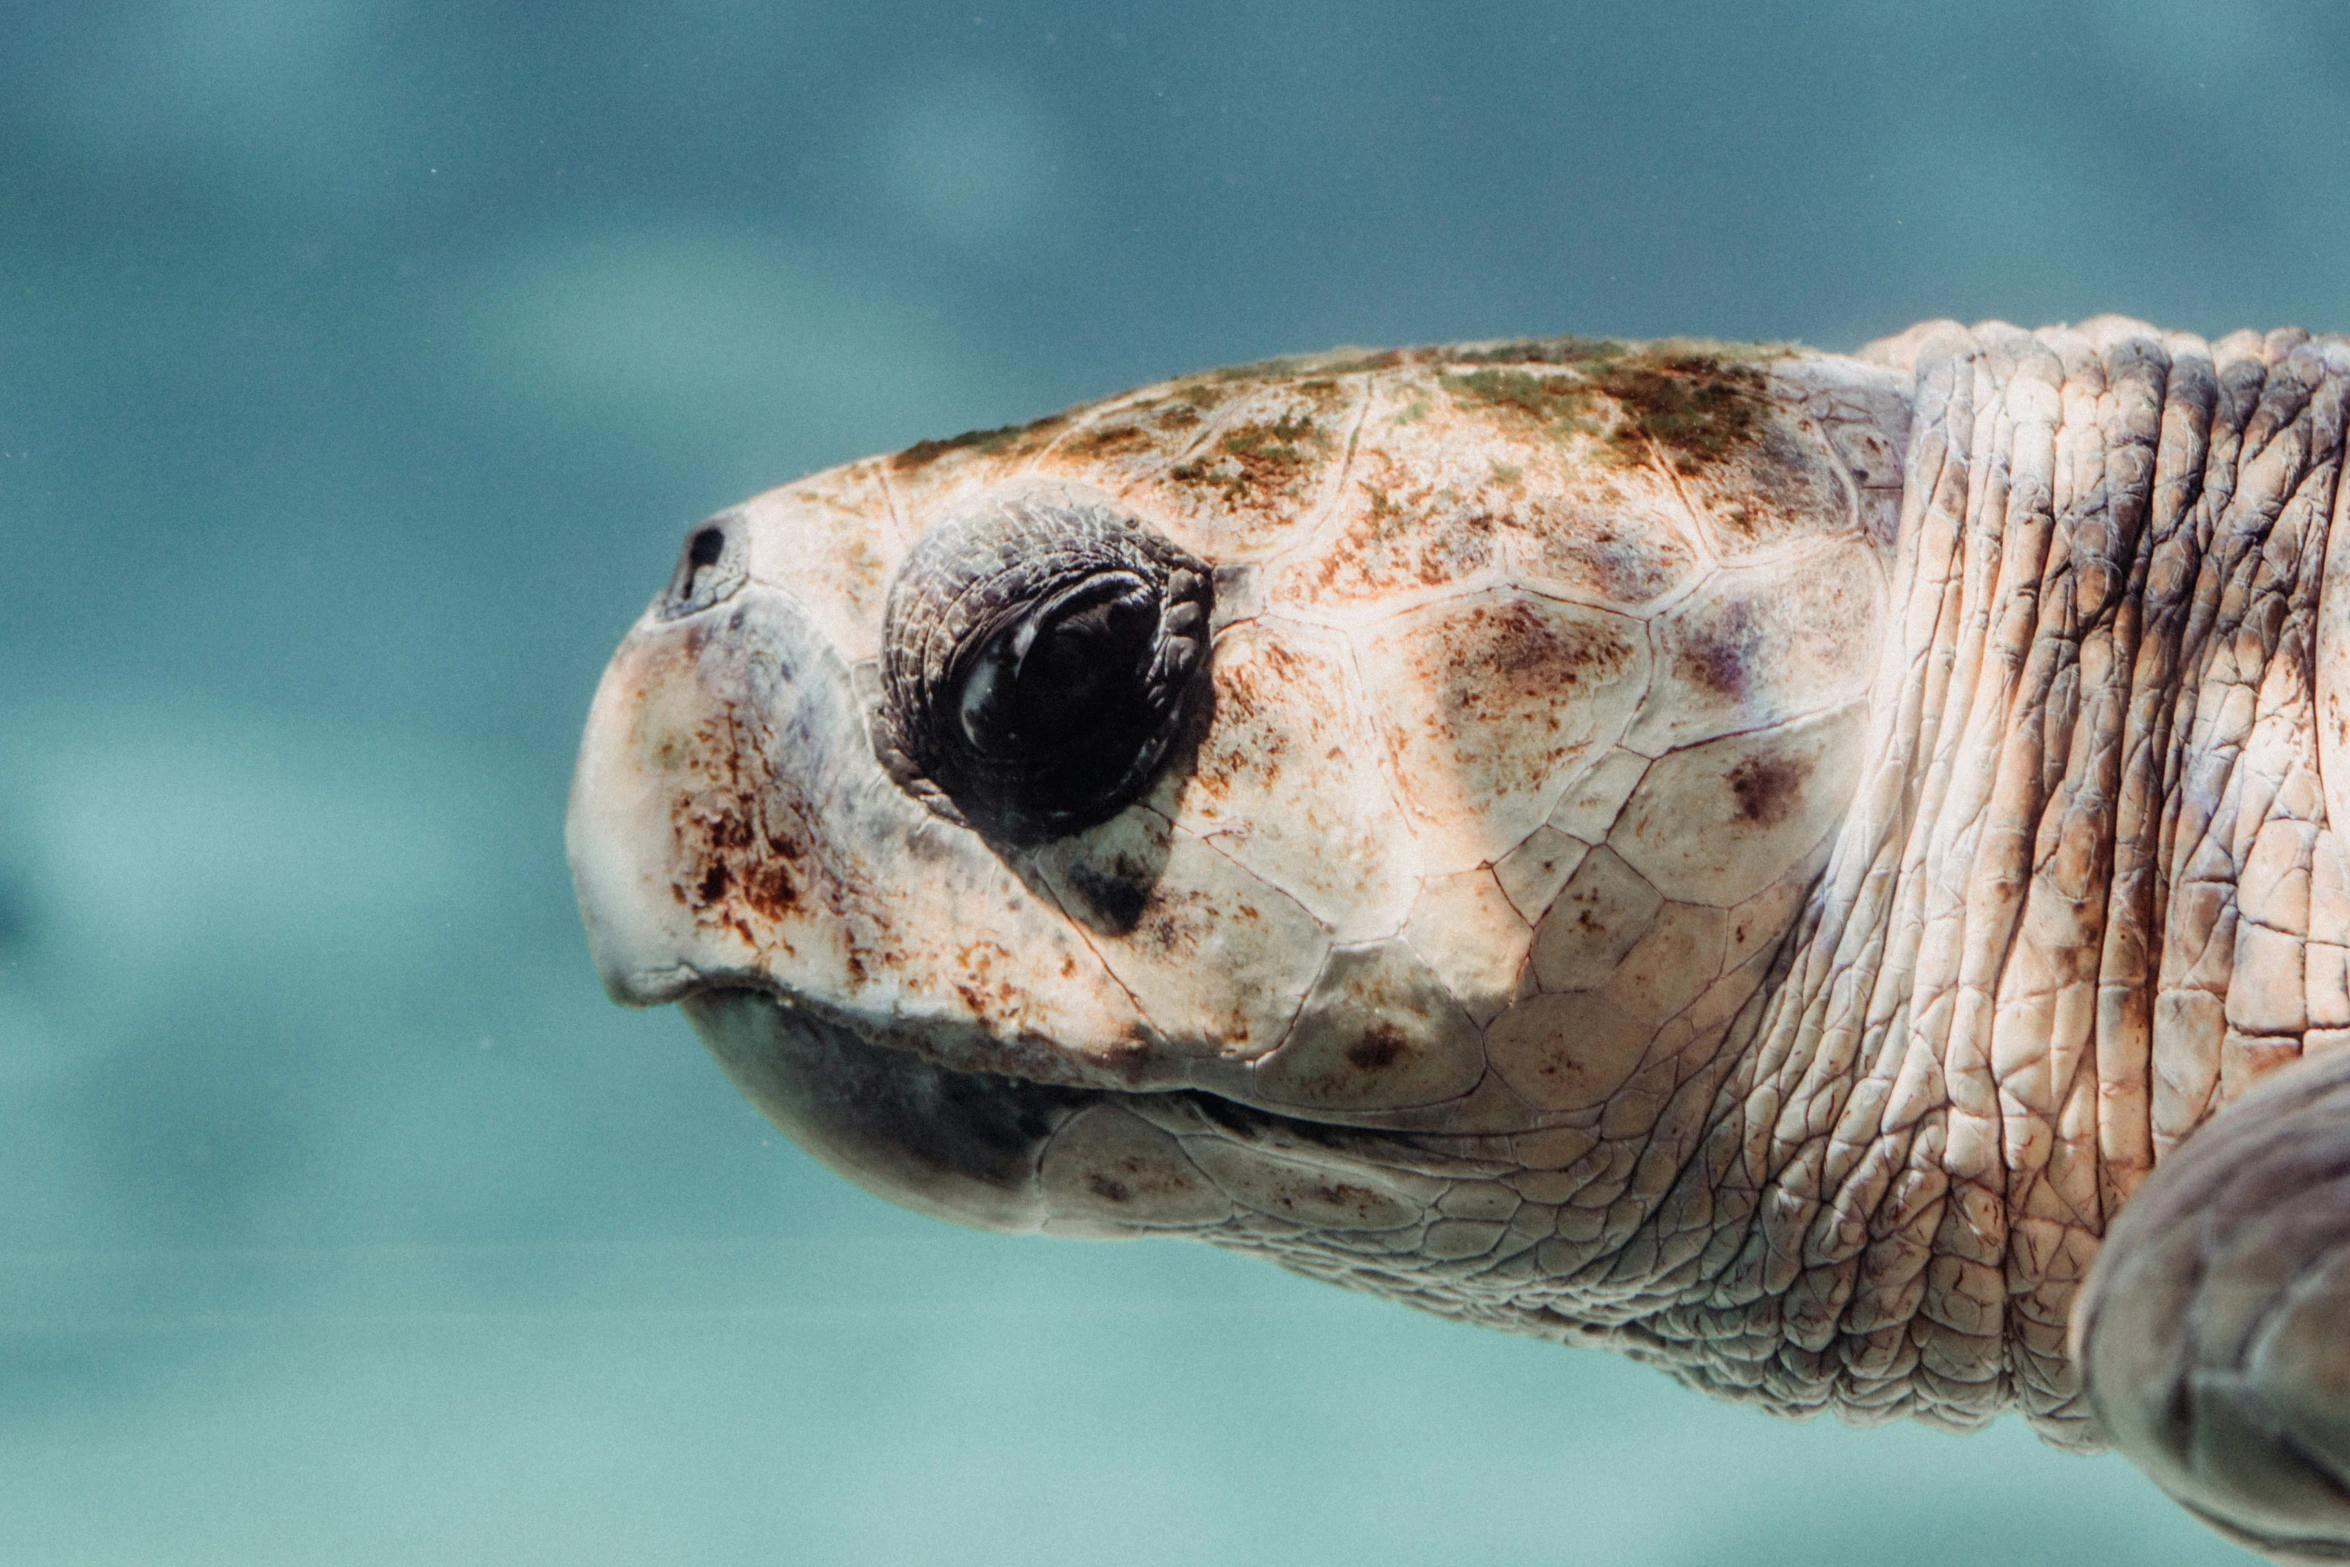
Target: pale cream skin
x,y
1745,856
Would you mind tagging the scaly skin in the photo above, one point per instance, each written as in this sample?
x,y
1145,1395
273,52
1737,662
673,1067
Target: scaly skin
x,y
1745,857
2089,892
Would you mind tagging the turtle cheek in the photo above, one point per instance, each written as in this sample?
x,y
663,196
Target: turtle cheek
x,y
1284,773
1601,913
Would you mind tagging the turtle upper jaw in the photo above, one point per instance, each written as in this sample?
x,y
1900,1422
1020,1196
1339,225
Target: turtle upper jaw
x,y
729,827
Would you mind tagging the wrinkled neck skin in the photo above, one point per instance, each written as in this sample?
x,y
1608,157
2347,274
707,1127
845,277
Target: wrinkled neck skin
x,y
2086,894
2083,895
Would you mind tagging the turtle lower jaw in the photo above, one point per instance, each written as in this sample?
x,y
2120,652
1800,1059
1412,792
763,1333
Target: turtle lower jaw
x,y
993,1151
959,1146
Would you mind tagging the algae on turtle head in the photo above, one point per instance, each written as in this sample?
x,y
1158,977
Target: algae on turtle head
x,y
1745,856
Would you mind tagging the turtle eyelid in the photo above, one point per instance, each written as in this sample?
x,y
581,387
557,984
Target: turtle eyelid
x,y
1094,595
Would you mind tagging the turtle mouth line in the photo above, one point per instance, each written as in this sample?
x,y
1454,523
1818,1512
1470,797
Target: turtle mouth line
x,y
956,1052
966,1145
952,1052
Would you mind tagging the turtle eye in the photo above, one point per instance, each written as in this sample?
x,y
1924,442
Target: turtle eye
x,y
1055,674
1037,661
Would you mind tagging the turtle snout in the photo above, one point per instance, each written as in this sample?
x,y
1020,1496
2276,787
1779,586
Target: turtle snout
x,y
710,566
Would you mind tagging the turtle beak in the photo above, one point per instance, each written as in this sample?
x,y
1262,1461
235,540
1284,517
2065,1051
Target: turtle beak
x,y
726,812
615,827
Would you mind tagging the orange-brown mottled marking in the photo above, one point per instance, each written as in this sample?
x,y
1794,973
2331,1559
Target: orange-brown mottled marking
x,y
1395,533
1243,708
1508,659
745,853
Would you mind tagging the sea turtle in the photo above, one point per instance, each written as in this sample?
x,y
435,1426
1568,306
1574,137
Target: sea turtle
x,y
1811,871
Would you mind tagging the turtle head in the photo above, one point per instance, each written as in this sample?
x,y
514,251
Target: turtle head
x,y
1348,751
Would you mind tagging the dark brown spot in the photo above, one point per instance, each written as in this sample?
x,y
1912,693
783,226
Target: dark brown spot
x,y
768,887
748,857
1769,789
1117,901
1511,659
1109,1190
1173,930
1382,1045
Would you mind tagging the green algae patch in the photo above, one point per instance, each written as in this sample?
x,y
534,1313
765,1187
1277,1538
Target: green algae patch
x,y
1694,404
1562,404
1329,363
1697,408
1542,351
1255,457
986,443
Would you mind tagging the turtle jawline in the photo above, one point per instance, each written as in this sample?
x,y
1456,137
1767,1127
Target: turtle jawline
x,y
960,1146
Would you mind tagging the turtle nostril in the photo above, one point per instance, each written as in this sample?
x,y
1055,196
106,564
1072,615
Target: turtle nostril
x,y
710,569
705,548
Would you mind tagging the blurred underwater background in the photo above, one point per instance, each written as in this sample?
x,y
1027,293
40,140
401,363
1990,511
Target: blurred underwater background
x,y
361,365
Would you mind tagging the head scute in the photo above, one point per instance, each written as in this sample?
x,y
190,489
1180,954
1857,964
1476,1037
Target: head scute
x,y
1038,655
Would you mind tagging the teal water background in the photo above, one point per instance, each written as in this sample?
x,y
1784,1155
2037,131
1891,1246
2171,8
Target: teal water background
x,y
361,362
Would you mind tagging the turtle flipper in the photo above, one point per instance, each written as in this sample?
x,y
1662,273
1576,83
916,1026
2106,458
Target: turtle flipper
x,y
2214,1331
